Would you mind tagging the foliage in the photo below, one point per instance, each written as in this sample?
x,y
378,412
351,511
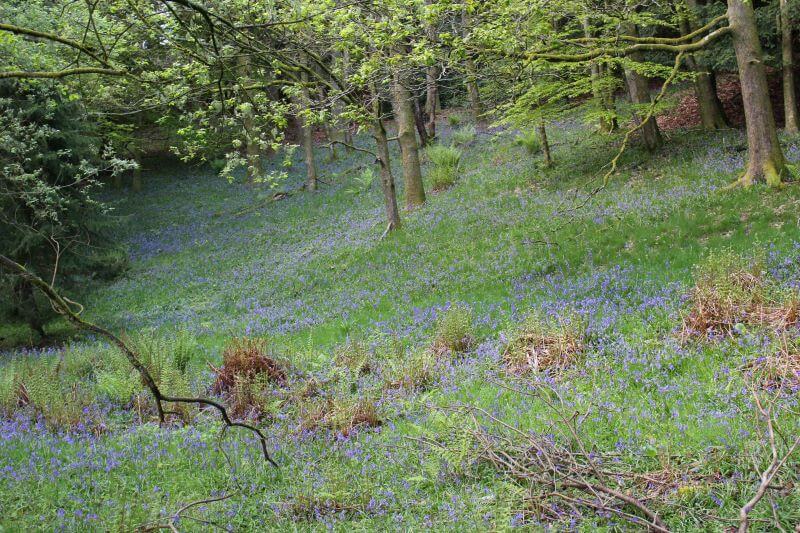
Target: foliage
x,y
454,331
464,136
445,161
530,141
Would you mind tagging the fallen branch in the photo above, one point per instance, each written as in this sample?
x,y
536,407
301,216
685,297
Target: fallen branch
x,y
64,307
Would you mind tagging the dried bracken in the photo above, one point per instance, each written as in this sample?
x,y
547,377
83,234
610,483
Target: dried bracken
x,y
779,369
342,416
245,376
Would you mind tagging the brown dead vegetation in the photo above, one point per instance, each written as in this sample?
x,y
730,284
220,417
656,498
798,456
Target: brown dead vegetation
x,y
542,345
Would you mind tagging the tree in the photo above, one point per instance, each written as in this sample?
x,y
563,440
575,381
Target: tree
x,y
787,62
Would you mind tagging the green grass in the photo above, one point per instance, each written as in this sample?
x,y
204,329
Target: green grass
x,y
311,273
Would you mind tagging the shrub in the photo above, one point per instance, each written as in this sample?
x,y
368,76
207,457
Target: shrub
x,y
455,119
464,135
454,331
248,369
545,344
732,291
530,141
445,161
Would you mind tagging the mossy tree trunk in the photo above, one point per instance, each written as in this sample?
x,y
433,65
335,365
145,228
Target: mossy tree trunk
x,y
407,137
602,95
471,79
787,62
546,156
766,162
431,83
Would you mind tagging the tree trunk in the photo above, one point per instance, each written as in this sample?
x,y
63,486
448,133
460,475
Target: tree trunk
x,y
712,114
431,83
548,160
602,95
404,115
639,91
471,80
382,151
787,60
766,162
307,135
136,177
431,99
419,121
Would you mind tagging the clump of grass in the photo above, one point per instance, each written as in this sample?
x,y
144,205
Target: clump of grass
x,y
354,355
248,369
543,344
530,141
455,119
455,331
780,368
415,373
732,291
464,136
313,507
445,161
340,414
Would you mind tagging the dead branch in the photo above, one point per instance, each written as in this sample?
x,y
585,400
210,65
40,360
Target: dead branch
x,y
65,307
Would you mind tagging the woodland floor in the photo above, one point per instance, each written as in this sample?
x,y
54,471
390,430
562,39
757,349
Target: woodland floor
x,y
358,449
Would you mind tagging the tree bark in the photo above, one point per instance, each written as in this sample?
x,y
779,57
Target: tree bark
x,y
404,115
712,114
766,162
387,179
787,60
639,91
548,160
307,136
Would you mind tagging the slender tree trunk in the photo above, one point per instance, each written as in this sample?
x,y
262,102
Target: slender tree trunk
x,y
307,135
471,80
404,115
639,91
602,95
419,122
548,160
766,161
431,83
252,149
787,61
136,177
382,151
712,114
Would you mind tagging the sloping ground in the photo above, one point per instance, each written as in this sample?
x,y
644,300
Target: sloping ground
x,y
394,445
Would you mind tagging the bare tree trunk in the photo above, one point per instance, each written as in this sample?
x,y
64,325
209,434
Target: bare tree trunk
x,y
639,91
602,95
404,115
787,61
766,162
548,160
307,135
419,121
431,83
382,151
712,114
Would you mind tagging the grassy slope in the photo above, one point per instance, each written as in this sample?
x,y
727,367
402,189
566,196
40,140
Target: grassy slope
x,y
310,270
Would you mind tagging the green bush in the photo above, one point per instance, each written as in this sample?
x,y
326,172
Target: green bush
x,y
445,162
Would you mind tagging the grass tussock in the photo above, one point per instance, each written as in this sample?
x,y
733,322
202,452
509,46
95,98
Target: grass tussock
x,y
445,166
779,369
416,372
355,355
544,344
732,292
